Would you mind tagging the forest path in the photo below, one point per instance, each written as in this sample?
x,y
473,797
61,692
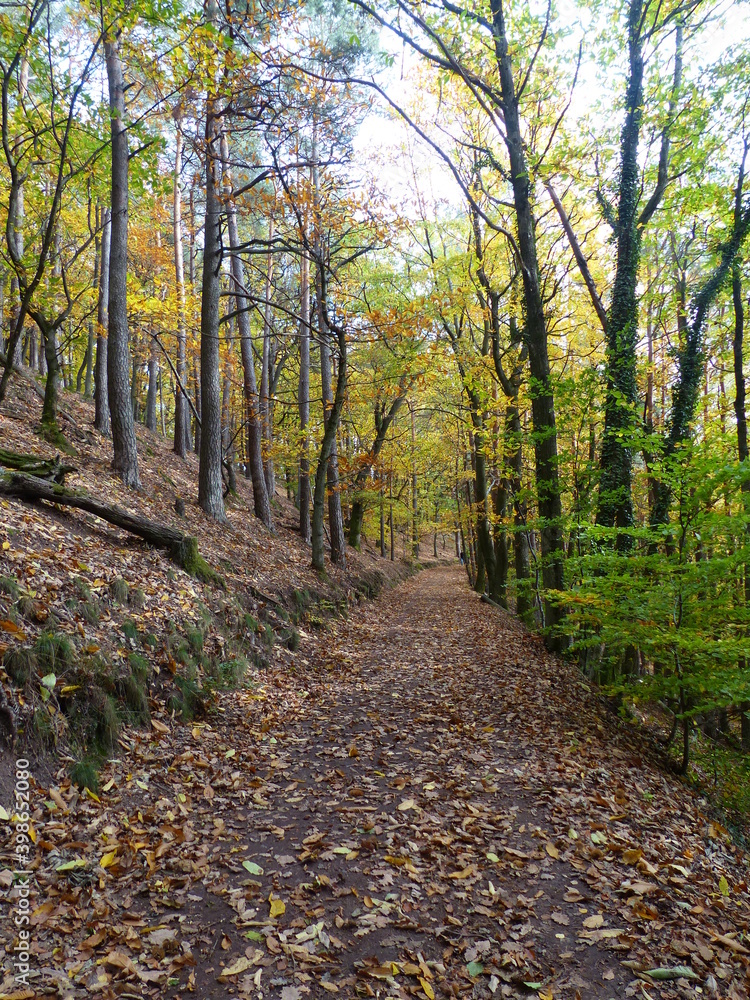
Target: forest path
x,y
432,806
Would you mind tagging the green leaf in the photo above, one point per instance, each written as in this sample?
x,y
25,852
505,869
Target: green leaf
x,y
49,682
492,857
475,968
678,972
70,866
252,867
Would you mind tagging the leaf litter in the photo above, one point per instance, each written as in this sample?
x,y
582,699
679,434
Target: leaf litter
x,y
429,806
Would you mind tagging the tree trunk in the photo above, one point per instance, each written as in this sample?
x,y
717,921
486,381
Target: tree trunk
x,y
153,383
210,490
125,463
382,424
742,451
414,488
329,437
335,519
252,404
543,406
266,405
382,524
615,493
181,408
101,391
303,398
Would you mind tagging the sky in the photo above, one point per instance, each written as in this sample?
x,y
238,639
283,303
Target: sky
x,y
397,151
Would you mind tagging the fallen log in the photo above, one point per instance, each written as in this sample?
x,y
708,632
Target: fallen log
x,y
182,548
51,469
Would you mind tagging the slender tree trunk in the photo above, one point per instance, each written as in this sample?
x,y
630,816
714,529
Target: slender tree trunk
x,y
382,424
101,390
303,399
382,523
390,514
329,437
543,406
414,488
153,380
210,491
615,493
52,383
254,423
181,407
266,406
742,451
335,518
125,463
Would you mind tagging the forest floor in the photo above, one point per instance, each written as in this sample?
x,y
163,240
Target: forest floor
x,y
431,806
417,801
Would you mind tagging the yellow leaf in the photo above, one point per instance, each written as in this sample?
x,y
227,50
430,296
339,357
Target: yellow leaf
x,y
4,814
278,907
407,804
32,832
6,546
632,856
109,785
108,859
237,968
552,850
464,873
159,726
593,922
428,990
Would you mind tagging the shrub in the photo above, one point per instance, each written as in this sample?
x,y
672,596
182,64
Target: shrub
x,y
85,774
137,598
119,590
20,663
9,587
130,629
55,652
89,611
195,641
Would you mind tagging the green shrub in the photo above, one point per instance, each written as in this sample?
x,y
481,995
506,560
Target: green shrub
x,y
85,774
135,698
82,588
130,629
291,640
43,728
228,674
136,598
89,611
55,652
150,640
269,637
192,700
662,620
27,607
10,587
20,664
139,666
119,590
195,641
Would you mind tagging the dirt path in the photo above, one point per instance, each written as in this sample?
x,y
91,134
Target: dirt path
x,y
431,806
